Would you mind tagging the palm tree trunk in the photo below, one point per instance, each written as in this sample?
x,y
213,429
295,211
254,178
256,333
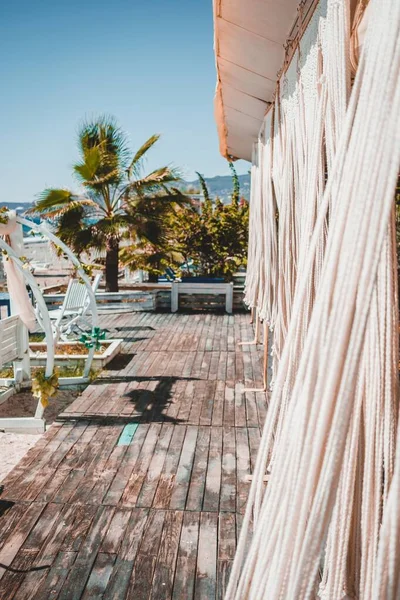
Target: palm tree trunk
x,y
112,252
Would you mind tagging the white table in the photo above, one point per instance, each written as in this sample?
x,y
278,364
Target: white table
x,y
178,287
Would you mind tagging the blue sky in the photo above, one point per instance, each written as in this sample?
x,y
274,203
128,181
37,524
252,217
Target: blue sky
x,y
150,63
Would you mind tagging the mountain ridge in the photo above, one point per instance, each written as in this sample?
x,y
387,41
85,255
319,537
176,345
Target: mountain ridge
x,y
222,186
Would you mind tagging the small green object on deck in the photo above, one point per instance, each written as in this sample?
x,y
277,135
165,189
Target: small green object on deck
x,y
127,434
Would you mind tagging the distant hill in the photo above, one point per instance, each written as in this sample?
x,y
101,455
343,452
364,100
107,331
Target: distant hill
x,y
221,186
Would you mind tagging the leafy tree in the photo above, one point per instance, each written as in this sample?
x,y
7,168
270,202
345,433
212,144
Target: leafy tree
x,y
118,200
215,237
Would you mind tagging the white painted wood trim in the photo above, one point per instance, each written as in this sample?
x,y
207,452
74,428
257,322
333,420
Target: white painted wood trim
x,y
202,288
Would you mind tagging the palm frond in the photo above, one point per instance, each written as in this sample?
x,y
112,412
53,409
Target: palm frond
x,y
158,179
105,133
136,163
104,153
113,226
52,202
98,182
87,169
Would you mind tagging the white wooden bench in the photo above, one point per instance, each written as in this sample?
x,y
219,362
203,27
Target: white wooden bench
x,y
178,287
14,348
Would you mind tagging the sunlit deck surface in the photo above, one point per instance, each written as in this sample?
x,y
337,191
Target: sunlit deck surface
x,y
139,490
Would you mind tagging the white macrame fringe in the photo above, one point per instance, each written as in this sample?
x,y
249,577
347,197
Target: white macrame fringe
x,y
330,431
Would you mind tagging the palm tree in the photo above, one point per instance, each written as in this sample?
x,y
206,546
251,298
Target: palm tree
x,y
117,200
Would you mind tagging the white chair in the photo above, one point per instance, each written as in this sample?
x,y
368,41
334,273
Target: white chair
x,y
72,312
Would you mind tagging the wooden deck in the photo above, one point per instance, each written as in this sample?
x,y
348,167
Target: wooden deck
x,y
139,490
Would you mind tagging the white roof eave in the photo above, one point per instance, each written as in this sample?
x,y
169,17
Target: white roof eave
x,y
249,42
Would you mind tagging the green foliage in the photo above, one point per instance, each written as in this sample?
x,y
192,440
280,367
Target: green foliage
x,y
215,238
44,387
119,199
203,186
236,184
4,215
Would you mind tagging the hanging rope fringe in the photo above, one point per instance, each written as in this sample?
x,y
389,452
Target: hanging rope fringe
x,y
327,524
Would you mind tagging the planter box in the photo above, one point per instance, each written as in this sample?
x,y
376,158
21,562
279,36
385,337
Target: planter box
x,y
205,289
38,354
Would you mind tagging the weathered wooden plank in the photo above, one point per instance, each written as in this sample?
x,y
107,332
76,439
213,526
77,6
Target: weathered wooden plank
x,y
11,516
262,406
78,576
181,484
196,367
75,536
197,401
166,479
69,486
251,409
165,566
248,368
219,397
43,527
240,406
198,478
143,571
15,489
208,402
136,479
96,466
231,367
40,477
53,581
19,534
214,363
53,485
257,366
54,540
191,356
229,404
150,483
205,365
228,480
105,478
99,576
222,365
239,367
242,468
116,531
213,479
254,442
206,571
79,450
187,401
12,580
126,467
226,536
119,581
186,561
224,568
175,401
